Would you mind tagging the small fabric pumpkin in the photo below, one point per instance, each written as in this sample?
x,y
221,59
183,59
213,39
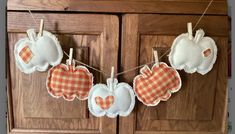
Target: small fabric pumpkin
x,y
37,53
68,81
112,99
195,54
156,84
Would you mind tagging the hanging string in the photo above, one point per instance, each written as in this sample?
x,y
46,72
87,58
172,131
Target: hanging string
x,y
84,64
137,67
203,14
33,17
117,74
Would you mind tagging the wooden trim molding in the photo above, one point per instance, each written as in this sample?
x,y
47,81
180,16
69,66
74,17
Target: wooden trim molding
x,y
44,131
218,7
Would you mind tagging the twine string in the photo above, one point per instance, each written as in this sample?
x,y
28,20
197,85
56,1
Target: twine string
x,y
140,66
84,64
36,24
203,14
120,73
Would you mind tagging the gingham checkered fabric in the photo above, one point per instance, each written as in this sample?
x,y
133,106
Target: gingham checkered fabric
x,y
154,85
104,103
26,54
69,82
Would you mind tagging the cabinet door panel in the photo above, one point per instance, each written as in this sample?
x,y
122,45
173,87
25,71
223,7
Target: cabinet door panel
x,y
94,39
200,105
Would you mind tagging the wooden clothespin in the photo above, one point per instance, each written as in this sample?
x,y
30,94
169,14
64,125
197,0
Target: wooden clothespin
x,y
155,54
70,56
112,73
112,79
190,30
41,28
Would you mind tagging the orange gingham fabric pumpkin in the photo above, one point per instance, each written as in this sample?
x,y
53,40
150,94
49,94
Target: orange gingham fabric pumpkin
x,y
157,84
68,81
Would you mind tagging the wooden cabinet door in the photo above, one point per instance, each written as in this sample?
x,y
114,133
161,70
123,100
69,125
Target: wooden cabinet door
x,y
200,105
31,109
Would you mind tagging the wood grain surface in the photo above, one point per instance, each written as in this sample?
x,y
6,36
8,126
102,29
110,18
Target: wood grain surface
x,y
122,6
200,105
33,110
92,28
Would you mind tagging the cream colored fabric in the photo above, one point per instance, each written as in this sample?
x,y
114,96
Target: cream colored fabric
x,y
46,51
196,55
124,99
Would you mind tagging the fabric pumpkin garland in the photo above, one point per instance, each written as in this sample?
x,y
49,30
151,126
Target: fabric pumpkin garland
x,y
36,53
156,84
68,81
112,99
193,54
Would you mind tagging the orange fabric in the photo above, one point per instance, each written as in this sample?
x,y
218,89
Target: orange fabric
x,y
69,82
26,54
154,85
104,103
207,52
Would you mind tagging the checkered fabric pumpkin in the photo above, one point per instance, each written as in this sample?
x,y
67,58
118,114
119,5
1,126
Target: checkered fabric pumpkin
x,y
157,84
69,82
112,99
36,53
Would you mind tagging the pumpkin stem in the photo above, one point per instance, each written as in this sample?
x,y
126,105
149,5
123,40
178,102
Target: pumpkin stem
x,y
146,71
31,34
155,54
199,35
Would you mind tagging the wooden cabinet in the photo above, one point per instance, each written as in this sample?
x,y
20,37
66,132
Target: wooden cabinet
x,y
200,105
95,40
121,34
